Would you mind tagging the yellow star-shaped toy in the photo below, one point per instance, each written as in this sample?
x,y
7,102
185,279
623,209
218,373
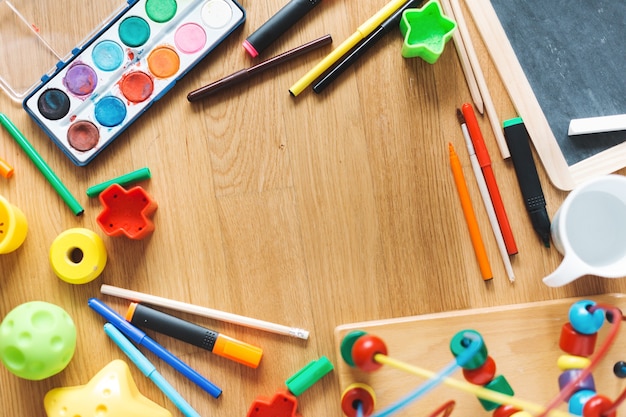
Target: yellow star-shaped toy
x,y
111,392
425,32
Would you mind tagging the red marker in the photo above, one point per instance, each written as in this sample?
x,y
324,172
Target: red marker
x,y
485,164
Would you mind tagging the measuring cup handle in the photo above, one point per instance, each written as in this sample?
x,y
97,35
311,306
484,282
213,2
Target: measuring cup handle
x,y
571,268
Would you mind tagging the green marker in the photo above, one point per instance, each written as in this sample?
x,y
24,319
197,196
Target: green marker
x,y
123,180
45,169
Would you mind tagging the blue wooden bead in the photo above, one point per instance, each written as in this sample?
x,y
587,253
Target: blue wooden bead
x,y
461,341
571,374
578,401
583,320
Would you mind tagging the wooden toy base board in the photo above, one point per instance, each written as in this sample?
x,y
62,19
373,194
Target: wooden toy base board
x,y
522,339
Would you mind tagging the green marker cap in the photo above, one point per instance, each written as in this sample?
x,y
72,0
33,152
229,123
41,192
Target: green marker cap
x,y
309,375
512,122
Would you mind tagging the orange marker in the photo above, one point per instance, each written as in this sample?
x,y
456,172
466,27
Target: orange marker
x,y
470,216
6,170
490,179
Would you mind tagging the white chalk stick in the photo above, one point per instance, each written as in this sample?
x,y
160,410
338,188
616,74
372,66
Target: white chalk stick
x,y
597,125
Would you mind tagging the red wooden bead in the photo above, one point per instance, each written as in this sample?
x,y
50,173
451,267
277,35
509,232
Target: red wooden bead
x,y
505,410
482,375
597,406
575,343
357,395
364,350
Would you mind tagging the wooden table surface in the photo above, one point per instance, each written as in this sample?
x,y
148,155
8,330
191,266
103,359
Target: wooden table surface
x,y
311,211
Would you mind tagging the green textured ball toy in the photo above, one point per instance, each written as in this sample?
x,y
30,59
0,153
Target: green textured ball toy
x,y
37,340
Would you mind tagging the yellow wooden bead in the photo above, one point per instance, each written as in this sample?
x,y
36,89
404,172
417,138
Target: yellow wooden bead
x,y
566,362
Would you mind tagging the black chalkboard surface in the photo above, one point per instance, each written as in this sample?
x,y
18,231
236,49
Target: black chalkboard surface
x,y
573,55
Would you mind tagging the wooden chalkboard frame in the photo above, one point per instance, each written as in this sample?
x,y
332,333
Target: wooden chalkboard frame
x,y
562,175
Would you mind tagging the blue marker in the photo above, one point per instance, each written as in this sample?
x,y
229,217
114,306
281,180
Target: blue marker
x,y
140,338
148,369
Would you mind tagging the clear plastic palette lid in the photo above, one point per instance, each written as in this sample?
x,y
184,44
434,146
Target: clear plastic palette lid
x,y
35,36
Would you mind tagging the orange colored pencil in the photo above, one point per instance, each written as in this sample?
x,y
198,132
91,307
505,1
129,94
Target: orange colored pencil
x,y
470,216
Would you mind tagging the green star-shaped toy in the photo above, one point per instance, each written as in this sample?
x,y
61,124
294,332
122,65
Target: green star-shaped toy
x,y
425,32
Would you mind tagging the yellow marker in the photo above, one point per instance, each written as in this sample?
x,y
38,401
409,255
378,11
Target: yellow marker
x,y
361,32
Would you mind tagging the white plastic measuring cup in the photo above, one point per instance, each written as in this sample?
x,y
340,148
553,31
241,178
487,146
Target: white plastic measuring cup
x,y
589,229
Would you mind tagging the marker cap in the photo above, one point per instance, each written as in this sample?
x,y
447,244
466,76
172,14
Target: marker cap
x,y
237,351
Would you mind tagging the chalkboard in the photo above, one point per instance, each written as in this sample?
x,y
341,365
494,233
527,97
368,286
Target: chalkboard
x,y
572,54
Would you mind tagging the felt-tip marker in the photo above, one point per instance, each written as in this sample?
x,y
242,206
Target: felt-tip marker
x,y
141,338
149,370
278,24
518,141
362,47
146,317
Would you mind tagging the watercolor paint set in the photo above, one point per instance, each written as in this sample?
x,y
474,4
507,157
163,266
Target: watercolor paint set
x,y
132,61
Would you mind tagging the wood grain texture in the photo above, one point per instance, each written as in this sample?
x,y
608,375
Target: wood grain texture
x,y
311,211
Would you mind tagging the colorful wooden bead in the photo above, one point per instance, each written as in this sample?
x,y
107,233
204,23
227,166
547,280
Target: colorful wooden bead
x,y
619,369
347,343
498,384
357,396
571,374
578,400
505,410
461,341
597,406
583,320
483,374
365,349
566,362
577,344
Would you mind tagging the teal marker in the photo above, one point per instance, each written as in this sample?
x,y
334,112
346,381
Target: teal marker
x,y
123,180
147,368
39,162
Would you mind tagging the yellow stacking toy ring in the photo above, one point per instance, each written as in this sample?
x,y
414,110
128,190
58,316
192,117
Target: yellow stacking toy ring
x,y
78,256
13,227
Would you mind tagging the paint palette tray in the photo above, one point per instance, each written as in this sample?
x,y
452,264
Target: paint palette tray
x,y
130,63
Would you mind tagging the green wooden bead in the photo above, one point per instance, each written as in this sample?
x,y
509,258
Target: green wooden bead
x,y
498,384
461,341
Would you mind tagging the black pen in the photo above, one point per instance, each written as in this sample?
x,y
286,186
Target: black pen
x,y
518,141
278,24
340,66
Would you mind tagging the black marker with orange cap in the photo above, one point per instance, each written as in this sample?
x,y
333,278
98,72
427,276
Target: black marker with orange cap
x,y
219,344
